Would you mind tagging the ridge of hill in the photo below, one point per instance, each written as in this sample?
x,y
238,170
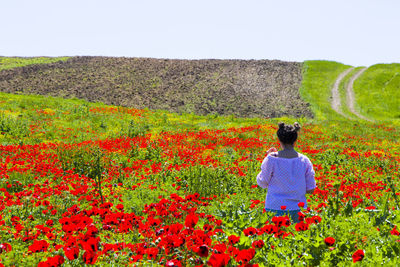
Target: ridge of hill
x,y
244,88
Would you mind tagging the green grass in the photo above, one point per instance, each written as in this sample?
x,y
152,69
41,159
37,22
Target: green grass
x,y
377,92
14,62
232,148
70,120
318,78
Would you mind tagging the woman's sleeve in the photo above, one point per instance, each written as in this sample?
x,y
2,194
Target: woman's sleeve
x,y
310,174
264,177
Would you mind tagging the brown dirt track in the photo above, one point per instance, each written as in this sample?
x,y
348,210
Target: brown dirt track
x,y
245,88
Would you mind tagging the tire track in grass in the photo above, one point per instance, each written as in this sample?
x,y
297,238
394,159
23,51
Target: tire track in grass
x,y
336,104
350,95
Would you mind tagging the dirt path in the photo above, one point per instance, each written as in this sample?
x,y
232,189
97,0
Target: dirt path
x,y
336,103
350,94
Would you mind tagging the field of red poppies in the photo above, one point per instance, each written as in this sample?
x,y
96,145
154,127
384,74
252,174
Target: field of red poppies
x,y
99,185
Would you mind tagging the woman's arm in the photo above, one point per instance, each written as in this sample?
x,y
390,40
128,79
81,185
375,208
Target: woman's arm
x,y
310,180
264,177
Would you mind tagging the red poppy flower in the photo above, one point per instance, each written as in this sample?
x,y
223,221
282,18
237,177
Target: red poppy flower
x,y
233,239
14,219
219,260
329,241
191,220
250,231
152,253
71,253
5,247
202,250
301,204
358,255
257,244
207,227
394,231
38,246
281,220
301,226
55,261
301,216
316,219
92,244
270,229
90,257
220,248
245,255
175,228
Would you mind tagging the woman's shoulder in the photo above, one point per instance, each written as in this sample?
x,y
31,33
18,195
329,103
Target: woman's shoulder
x,y
269,158
272,155
304,158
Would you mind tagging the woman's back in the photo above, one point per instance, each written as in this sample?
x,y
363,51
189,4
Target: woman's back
x,y
287,180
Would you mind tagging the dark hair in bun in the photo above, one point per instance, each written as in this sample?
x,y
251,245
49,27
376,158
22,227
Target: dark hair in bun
x,y
287,133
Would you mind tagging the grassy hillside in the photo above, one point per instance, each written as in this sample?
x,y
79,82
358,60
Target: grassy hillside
x,y
245,88
318,78
377,92
32,119
14,62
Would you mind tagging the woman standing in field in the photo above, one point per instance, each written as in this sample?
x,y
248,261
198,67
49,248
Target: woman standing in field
x,y
287,174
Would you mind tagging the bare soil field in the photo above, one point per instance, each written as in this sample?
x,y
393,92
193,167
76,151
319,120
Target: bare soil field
x,y
245,88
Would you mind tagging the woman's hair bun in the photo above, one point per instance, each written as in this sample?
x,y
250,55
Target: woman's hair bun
x,y
297,126
287,133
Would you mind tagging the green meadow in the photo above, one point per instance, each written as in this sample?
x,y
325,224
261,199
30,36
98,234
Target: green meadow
x,y
84,183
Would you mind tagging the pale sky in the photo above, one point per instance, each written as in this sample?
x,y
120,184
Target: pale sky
x,y
354,32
